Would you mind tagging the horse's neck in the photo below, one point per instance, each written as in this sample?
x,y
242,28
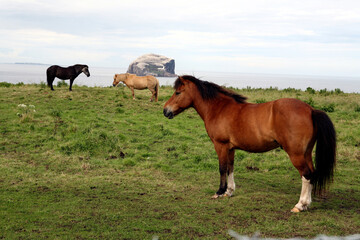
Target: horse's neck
x,y
208,109
205,108
78,69
127,80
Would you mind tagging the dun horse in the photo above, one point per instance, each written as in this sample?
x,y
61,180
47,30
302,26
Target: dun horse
x,y
65,73
135,82
232,123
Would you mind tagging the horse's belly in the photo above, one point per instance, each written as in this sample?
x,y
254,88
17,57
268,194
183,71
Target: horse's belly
x,y
257,147
140,86
62,76
253,142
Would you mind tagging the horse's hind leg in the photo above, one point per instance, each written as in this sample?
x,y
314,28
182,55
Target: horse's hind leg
x,y
305,196
153,94
50,81
305,168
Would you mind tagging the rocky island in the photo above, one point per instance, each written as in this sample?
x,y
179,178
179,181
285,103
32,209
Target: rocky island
x,y
153,64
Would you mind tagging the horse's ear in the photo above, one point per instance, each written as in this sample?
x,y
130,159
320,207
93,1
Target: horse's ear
x,y
184,81
179,82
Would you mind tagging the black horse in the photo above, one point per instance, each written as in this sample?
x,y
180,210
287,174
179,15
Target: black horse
x,y
65,73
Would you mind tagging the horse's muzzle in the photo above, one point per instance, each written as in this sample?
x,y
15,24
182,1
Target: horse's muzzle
x,y
114,85
168,113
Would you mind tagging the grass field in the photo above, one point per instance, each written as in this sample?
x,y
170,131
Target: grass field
x,y
95,164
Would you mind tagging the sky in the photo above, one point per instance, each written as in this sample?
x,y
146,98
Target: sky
x,y
309,37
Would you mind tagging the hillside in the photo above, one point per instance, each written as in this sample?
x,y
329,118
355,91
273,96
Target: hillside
x,y
93,163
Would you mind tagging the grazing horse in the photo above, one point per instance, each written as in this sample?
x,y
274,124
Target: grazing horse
x,y
136,82
232,123
65,73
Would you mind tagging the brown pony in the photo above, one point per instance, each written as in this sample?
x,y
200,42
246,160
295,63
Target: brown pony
x,y
135,82
232,123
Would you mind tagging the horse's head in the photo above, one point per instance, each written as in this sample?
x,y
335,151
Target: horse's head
x,y
115,82
119,78
85,70
181,99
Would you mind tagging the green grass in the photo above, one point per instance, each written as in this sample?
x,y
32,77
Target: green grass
x,y
93,163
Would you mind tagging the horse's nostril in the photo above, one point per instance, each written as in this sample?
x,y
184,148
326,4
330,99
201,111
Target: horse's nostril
x,y
167,113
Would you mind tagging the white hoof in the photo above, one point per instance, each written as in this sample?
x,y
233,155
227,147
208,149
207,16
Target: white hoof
x,y
229,192
215,196
295,210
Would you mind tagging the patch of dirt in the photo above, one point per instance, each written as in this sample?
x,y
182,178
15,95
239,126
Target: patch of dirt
x,y
250,168
43,189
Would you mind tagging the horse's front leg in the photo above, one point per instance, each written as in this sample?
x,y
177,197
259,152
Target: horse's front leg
x,y
132,91
230,175
71,83
223,154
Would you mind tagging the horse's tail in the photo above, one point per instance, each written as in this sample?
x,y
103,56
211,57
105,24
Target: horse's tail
x,y
157,90
50,75
48,78
325,154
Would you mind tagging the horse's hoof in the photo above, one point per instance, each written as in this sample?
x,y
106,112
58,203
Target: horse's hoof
x,y
295,210
215,196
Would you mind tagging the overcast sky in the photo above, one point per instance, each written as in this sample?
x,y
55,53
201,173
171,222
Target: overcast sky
x,y
311,37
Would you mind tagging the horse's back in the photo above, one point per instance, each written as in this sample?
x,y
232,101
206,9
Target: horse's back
x,y
60,72
292,110
267,125
141,82
283,113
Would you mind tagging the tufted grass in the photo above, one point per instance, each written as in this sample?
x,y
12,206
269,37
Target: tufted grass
x,y
94,164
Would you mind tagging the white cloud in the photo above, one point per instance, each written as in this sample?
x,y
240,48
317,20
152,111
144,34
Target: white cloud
x,y
13,55
45,38
260,34
79,56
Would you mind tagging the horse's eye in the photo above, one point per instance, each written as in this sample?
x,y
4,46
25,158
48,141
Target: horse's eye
x,y
177,93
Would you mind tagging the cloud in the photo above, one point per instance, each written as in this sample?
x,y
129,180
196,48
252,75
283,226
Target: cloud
x,y
262,35
14,54
40,45
181,39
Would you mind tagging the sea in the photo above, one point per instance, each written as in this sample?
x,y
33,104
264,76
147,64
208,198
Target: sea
x,y
103,77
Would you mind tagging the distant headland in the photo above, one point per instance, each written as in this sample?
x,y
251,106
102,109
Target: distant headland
x,y
153,64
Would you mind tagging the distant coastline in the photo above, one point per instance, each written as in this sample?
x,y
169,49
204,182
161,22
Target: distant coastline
x,y
103,77
25,63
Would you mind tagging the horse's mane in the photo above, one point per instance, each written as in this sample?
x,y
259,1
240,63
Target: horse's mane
x,y
80,66
209,90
